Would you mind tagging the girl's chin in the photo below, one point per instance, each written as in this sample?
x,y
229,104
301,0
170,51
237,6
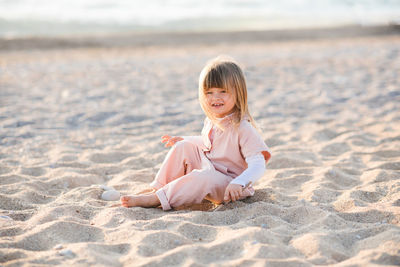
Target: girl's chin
x,y
220,115
217,111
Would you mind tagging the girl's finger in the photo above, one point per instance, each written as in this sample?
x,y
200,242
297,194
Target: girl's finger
x,y
176,139
226,196
165,138
233,197
237,195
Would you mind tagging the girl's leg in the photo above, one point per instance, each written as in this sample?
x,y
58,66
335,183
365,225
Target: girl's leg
x,y
193,188
182,158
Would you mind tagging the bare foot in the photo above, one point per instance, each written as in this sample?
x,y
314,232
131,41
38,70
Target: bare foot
x,y
145,201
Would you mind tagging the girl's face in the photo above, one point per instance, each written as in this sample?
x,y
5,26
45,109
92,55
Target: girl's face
x,y
220,102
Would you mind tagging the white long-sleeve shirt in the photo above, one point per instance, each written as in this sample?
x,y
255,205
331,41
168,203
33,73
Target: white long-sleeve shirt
x,y
255,170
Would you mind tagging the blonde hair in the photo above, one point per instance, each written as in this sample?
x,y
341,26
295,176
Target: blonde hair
x,y
223,72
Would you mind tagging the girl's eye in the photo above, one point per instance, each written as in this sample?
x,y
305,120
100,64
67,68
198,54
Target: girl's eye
x,y
223,91
208,93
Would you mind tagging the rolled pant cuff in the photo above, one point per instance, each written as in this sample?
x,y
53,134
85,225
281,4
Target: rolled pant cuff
x,y
163,199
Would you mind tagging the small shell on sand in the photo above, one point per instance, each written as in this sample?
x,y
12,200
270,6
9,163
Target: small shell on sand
x,y
111,195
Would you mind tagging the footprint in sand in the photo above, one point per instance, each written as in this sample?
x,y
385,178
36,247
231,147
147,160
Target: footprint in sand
x,y
157,243
12,179
197,232
325,135
11,256
387,153
231,249
291,161
60,232
111,157
325,195
390,166
311,245
289,173
12,203
363,140
5,169
371,216
366,196
34,196
335,149
34,171
292,183
340,178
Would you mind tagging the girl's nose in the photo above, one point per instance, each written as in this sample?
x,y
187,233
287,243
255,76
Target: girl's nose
x,y
217,96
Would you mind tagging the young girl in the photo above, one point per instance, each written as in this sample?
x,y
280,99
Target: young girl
x,y
222,163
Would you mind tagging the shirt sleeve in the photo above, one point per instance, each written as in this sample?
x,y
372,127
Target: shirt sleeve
x,y
255,170
251,142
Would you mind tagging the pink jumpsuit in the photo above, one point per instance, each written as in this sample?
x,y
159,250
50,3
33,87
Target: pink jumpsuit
x,y
197,169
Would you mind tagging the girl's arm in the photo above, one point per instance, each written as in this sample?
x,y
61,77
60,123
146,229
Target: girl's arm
x,y
171,140
255,170
196,140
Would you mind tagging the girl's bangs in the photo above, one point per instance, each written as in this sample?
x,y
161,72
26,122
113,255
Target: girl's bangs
x,y
214,79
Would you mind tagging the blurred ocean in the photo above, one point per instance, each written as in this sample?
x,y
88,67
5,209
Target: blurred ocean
x,y
82,17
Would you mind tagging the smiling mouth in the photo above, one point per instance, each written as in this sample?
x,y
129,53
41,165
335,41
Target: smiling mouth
x,y
217,105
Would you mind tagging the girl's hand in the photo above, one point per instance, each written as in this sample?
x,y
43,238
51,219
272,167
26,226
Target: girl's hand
x,y
233,192
170,140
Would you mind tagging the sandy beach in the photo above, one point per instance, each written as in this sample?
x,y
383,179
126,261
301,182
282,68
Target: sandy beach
x,y
73,120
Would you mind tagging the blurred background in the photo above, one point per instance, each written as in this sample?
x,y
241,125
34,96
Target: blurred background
x,y
46,18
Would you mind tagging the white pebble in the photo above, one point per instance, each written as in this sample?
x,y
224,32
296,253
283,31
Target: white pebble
x,y
6,217
66,252
58,247
111,195
106,188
